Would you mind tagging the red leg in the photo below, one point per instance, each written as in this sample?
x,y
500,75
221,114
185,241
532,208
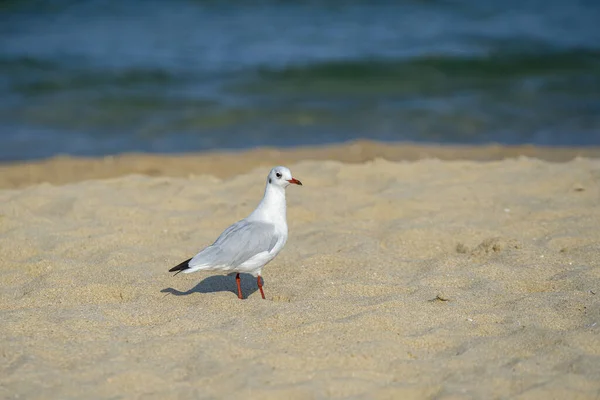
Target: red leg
x,y
239,285
260,286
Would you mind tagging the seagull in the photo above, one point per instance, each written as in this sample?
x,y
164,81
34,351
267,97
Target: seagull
x,y
249,244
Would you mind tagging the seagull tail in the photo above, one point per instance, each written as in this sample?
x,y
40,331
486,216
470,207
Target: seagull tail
x,y
181,267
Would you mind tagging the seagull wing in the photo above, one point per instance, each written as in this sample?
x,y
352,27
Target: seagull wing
x,y
236,245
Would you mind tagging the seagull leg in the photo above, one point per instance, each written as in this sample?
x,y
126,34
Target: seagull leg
x,y
260,286
239,285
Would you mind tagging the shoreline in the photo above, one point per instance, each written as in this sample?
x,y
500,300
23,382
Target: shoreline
x,y
222,164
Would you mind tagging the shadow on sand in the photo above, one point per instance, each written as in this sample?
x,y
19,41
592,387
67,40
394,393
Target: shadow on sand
x,y
219,283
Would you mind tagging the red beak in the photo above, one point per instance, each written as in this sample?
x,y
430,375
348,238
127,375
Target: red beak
x,y
296,181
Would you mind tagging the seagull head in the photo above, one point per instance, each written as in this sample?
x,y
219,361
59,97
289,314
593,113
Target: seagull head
x,y
282,176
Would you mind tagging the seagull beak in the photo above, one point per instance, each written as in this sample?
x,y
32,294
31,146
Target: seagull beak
x,y
296,181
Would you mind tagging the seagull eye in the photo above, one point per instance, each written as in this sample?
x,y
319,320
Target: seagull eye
x,y
278,175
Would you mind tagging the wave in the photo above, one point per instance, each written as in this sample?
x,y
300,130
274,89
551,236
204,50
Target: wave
x,y
429,73
422,75
31,76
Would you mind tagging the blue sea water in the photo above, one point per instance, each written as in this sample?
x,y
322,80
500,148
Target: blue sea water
x,y
95,77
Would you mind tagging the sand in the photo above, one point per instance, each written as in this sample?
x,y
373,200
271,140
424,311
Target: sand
x,y
420,279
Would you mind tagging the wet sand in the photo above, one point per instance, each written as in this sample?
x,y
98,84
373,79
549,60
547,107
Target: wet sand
x,y
66,169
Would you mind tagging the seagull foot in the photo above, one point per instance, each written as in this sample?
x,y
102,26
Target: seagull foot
x,y
258,280
239,286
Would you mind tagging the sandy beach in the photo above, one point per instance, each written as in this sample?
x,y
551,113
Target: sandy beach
x,y
425,273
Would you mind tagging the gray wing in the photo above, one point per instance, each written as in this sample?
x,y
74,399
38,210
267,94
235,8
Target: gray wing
x,y
237,244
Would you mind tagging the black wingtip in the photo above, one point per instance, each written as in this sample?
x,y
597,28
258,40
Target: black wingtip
x,y
180,267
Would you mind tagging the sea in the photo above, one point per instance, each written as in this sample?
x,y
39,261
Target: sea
x,y
95,77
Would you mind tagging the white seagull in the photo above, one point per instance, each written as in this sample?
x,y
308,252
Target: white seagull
x,y
249,244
